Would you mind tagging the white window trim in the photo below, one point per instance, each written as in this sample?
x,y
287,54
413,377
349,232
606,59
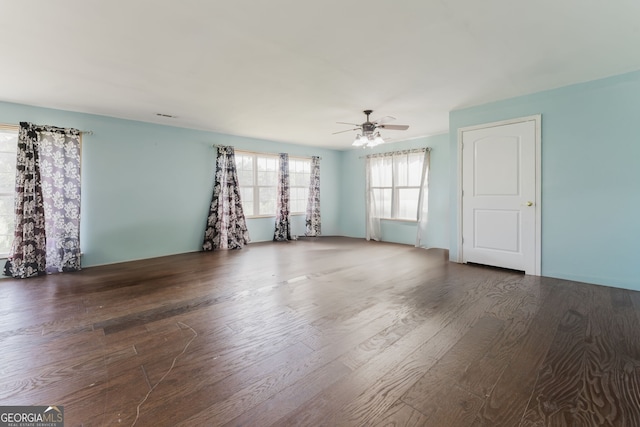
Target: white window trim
x,y
255,187
304,159
395,201
16,129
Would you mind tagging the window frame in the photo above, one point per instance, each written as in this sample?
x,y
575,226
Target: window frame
x,y
305,187
10,195
256,188
395,188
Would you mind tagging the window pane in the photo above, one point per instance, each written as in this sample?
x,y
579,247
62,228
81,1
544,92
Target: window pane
x,y
296,206
244,165
267,200
8,141
267,178
267,163
246,193
247,163
247,208
299,172
7,182
298,199
8,162
5,242
246,196
293,193
408,203
294,179
267,170
8,149
6,221
7,172
245,178
300,179
293,199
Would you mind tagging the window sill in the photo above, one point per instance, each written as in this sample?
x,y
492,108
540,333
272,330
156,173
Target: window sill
x,y
413,221
273,216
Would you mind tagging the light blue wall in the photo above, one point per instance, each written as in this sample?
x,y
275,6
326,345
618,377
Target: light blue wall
x,y
146,188
353,194
590,177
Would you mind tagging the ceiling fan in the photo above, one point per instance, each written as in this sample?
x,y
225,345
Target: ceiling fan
x,y
370,136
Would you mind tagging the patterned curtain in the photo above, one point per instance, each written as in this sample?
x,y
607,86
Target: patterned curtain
x,y
283,221
313,223
226,225
47,202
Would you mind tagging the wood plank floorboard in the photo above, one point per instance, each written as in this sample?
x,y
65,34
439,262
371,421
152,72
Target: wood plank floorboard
x,y
326,331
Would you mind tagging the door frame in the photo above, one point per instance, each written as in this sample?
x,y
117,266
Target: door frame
x,y
537,118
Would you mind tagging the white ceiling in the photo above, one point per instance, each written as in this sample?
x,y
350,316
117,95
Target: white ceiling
x,y
287,70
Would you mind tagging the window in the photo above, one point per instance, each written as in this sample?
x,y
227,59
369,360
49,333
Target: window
x,y
8,149
394,185
299,176
258,180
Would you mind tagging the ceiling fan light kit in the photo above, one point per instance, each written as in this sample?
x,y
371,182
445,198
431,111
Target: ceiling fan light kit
x,y
368,141
370,135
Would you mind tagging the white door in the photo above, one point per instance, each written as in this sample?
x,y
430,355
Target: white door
x,y
499,189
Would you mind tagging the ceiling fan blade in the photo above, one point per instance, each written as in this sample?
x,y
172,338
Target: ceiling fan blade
x,y
345,123
384,119
394,127
343,131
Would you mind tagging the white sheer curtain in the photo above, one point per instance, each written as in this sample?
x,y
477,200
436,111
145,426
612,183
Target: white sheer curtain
x,y
379,187
423,202
397,187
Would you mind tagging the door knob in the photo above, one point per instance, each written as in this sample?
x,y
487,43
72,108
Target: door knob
x,y
529,203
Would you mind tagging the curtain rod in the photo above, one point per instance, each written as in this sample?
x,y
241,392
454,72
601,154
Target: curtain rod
x,y
390,153
258,152
10,126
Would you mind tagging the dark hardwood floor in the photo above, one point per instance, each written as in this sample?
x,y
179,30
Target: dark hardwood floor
x,y
320,332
